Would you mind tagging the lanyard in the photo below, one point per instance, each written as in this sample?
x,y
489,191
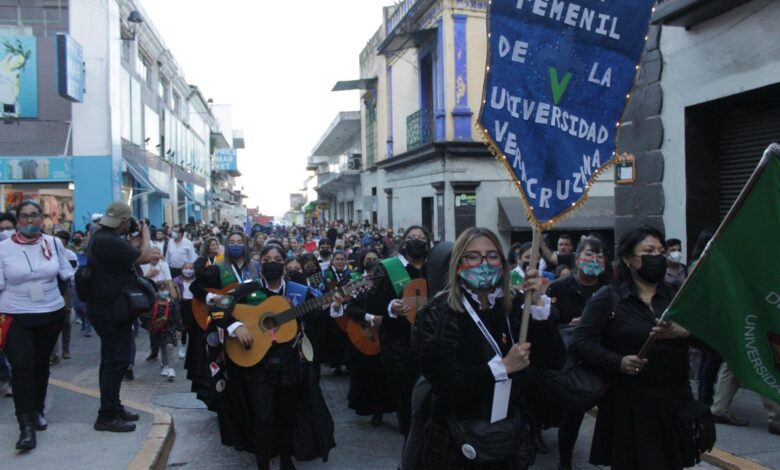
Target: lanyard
x,y
30,264
484,329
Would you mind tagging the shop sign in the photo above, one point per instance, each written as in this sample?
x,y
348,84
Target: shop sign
x,y
225,159
13,169
70,68
18,77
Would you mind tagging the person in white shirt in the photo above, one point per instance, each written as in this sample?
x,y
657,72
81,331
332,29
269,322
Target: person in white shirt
x,y
180,251
30,264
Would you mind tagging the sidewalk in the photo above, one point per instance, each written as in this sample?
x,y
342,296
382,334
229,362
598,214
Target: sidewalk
x,y
71,442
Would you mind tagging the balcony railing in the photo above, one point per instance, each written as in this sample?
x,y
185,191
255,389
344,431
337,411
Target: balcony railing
x,y
419,129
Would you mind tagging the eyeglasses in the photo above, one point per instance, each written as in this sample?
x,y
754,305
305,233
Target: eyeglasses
x,y
32,216
474,258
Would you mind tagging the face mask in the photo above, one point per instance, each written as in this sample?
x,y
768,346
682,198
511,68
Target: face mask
x,y
325,253
188,272
175,235
653,268
592,268
416,248
482,277
370,265
272,270
296,276
7,233
163,294
30,230
77,241
311,271
236,251
675,256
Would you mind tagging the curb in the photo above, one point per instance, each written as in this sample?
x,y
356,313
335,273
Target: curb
x,y
718,457
158,443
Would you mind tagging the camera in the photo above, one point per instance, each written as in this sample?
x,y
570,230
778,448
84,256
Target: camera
x,y
135,228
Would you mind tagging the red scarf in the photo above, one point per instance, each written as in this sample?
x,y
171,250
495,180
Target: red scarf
x,y
22,239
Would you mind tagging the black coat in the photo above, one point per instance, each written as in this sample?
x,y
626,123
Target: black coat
x,y
639,424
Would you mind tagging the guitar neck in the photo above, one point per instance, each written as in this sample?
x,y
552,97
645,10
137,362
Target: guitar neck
x,y
302,309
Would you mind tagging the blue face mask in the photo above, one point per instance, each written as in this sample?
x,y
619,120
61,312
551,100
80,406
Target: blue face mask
x,y
592,268
30,230
236,251
482,277
163,294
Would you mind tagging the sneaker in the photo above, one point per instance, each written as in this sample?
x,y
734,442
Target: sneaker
x,y
78,321
151,357
117,425
164,372
171,374
54,359
182,352
88,334
125,415
66,355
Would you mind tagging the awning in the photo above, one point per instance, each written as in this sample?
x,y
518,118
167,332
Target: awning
x,y
360,84
139,175
400,41
596,213
310,206
188,194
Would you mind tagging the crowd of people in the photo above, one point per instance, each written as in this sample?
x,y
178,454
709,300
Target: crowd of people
x,y
258,316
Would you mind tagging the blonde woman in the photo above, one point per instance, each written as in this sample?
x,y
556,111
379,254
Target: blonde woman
x,y
466,340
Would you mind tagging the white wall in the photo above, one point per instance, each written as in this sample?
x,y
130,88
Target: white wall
x,y
731,54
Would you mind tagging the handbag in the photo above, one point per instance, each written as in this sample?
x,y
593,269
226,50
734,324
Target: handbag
x,y
138,298
481,441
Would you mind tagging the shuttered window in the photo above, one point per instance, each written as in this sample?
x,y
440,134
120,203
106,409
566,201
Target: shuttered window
x,y
742,142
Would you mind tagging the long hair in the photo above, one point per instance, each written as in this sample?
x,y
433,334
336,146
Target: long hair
x,y
204,247
228,260
453,289
406,232
628,241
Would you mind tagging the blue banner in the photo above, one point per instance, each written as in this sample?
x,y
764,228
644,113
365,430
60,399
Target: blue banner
x,y
556,86
225,159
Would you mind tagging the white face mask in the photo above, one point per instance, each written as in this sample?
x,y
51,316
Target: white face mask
x,y
188,272
675,256
6,234
175,235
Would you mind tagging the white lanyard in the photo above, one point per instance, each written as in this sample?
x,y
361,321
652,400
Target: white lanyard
x,y
484,330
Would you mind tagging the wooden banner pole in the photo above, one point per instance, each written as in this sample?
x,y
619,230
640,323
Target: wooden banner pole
x,y
534,264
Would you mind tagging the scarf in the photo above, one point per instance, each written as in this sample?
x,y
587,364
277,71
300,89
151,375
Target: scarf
x,y
21,239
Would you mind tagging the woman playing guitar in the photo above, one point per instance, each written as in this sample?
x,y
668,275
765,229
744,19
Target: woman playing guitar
x,y
367,385
334,340
398,360
269,391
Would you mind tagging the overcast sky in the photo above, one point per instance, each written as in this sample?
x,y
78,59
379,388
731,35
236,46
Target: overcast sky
x,y
275,62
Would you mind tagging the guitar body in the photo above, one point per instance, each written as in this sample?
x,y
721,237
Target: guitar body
x,y
415,295
342,322
365,339
259,319
200,309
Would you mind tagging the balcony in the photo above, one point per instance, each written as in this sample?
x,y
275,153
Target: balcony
x,y
419,129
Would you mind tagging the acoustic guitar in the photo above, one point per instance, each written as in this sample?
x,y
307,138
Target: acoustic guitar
x,y
341,321
415,295
200,309
273,321
364,337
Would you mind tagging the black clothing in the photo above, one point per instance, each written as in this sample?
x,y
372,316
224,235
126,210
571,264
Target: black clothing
x,y
569,296
398,359
114,258
30,341
637,426
453,357
333,340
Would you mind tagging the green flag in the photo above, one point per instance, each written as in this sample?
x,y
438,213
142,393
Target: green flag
x,y
731,300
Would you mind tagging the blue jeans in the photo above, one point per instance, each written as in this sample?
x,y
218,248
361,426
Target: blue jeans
x,y
81,311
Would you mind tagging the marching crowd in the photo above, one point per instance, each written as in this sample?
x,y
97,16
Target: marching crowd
x,y
428,331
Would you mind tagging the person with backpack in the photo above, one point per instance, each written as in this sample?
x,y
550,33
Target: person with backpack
x,y
164,325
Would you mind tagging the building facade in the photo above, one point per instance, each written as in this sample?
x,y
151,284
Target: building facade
x,y
131,128
422,159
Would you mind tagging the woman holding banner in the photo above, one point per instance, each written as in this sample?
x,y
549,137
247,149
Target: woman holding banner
x,y
648,419
466,343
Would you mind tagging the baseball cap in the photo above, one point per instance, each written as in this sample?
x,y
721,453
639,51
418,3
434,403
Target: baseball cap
x,y
116,212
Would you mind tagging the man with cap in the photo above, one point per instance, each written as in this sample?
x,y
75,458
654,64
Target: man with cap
x,y
113,258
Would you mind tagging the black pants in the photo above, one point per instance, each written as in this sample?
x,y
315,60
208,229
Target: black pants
x,y
187,319
31,339
568,432
117,351
273,418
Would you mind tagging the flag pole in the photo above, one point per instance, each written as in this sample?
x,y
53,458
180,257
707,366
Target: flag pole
x,y
536,241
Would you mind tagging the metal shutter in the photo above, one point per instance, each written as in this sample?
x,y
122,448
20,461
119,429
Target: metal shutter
x,y
743,140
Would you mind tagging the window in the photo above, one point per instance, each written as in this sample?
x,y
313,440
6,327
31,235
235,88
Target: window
x,y
162,88
176,103
141,67
370,134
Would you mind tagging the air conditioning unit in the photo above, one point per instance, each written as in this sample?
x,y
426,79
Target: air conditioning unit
x,y
354,162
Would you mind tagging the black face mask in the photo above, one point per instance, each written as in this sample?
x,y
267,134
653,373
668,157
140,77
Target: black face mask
x,y
272,270
296,276
416,248
77,241
653,268
311,272
369,266
325,252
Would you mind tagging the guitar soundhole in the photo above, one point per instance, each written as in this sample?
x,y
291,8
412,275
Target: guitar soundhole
x,y
268,323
